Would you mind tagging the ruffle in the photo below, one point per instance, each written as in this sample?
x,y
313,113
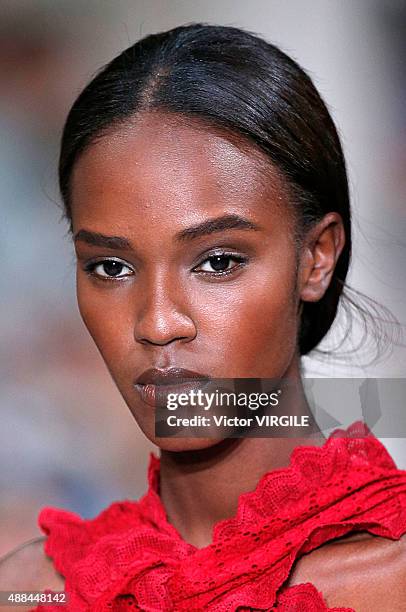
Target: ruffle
x,y
131,558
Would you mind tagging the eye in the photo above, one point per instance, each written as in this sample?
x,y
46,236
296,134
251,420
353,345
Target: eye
x,y
109,269
220,263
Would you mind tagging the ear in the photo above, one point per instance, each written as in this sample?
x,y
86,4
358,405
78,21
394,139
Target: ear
x,y
323,246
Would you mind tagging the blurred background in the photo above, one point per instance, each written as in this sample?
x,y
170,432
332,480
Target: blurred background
x,y
67,438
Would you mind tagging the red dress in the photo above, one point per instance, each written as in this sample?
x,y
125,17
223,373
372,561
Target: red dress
x,y
131,558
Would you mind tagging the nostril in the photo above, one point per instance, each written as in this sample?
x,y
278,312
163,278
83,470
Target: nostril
x,y
157,334
163,342
161,320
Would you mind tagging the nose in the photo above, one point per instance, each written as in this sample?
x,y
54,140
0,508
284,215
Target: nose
x,y
162,314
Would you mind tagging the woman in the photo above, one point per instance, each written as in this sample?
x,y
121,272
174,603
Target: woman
x,y
207,196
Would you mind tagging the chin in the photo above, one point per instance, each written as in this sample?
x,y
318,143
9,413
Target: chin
x,y
176,443
144,417
146,422
184,444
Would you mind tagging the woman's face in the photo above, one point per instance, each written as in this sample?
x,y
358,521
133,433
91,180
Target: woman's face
x,y
186,258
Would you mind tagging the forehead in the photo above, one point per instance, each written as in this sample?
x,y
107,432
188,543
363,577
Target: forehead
x,y
174,167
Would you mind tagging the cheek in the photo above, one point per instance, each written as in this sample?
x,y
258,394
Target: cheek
x,y
246,327
107,322
253,325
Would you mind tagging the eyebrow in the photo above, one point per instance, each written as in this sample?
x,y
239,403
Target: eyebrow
x,y
101,240
205,228
218,224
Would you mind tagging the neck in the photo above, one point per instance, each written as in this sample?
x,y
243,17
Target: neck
x,y
200,488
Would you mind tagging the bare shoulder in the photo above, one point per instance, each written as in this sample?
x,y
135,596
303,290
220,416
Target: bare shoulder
x,y
28,568
360,571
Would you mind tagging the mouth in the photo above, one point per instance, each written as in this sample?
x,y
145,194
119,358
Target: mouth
x,y
154,385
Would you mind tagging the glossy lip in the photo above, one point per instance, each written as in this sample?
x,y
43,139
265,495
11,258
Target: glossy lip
x,y
154,384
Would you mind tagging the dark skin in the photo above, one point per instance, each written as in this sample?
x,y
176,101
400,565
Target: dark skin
x,y
170,306
148,182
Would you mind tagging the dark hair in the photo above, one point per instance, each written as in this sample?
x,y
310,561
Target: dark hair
x,y
236,81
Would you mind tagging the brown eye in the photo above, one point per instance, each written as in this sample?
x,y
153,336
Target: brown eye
x,y
109,268
222,262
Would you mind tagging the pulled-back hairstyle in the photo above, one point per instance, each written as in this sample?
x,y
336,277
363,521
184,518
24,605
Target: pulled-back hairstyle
x,y
236,81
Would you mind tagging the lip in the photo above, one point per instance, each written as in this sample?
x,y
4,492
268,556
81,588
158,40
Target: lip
x,y
154,385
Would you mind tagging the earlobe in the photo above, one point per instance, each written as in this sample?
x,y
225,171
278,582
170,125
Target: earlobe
x,y
323,246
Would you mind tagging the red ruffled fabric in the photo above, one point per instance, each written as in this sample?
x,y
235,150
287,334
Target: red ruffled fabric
x,y
131,558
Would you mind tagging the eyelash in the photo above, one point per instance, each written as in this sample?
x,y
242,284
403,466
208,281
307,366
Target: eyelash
x,y
241,261
91,267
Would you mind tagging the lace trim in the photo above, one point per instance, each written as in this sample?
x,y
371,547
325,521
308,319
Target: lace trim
x,y
309,467
131,553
